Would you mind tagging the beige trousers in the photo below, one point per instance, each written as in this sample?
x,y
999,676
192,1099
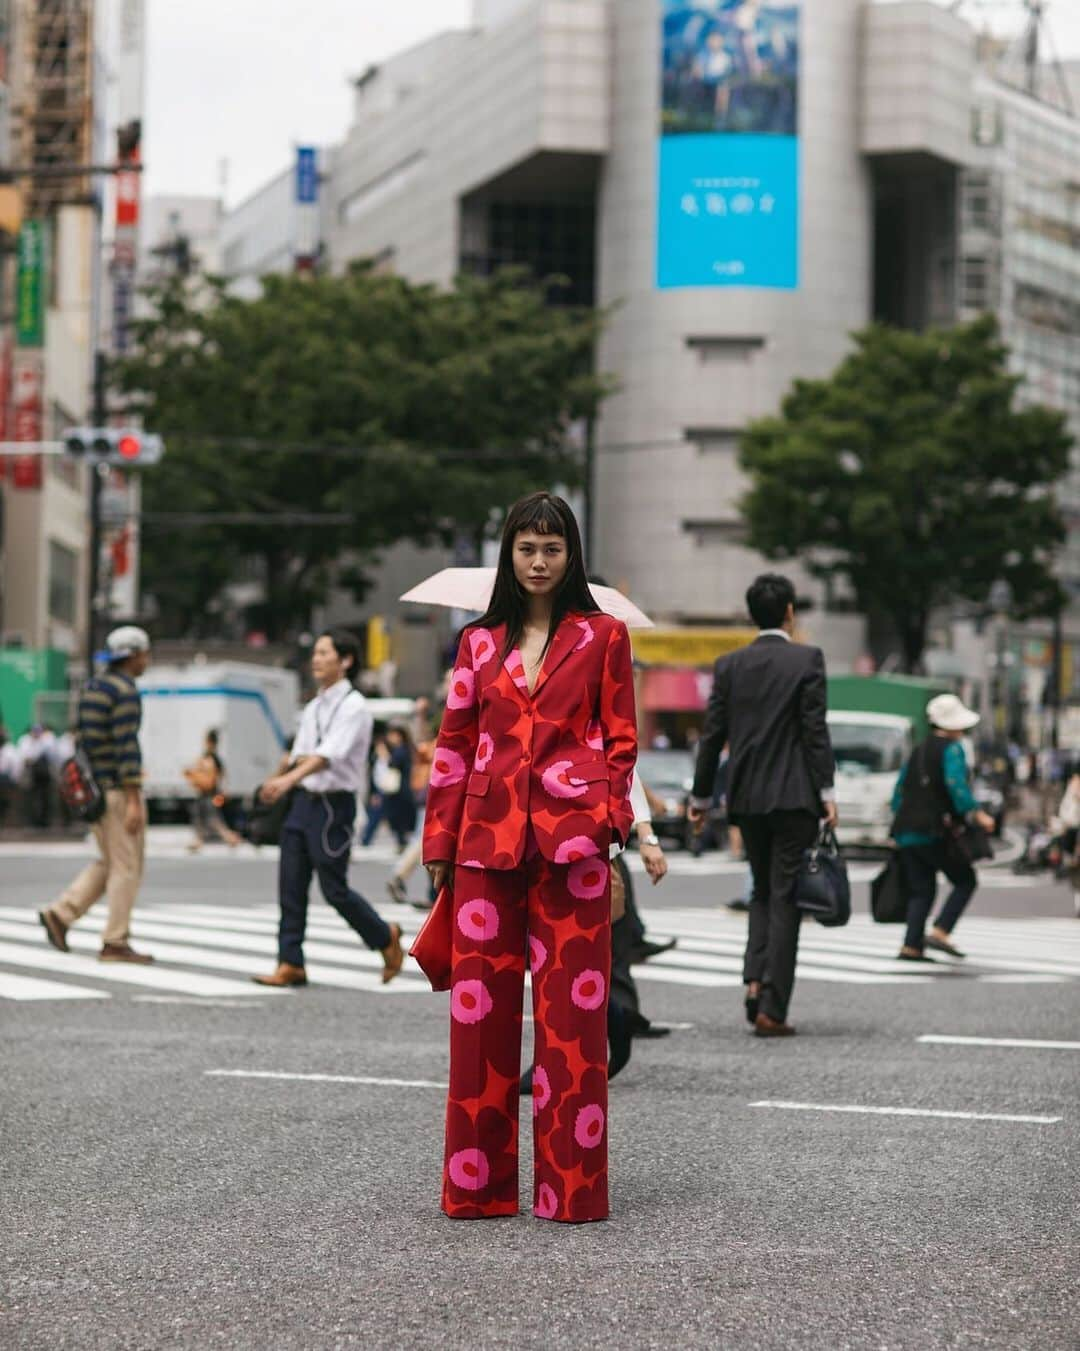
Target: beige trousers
x,y
117,872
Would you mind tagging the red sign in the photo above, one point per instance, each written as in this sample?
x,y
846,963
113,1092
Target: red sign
x,y
127,198
27,414
5,396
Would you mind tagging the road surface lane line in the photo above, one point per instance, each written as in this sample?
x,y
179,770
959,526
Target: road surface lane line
x,y
1028,1042
907,1111
28,987
325,1078
118,973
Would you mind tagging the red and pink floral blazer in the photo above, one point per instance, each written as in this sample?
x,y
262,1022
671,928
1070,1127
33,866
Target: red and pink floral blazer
x,y
558,760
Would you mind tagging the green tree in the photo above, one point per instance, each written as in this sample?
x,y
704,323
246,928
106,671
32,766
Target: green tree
x,y
913,472
409,410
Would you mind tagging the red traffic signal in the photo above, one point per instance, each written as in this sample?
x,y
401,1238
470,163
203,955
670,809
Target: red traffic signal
x,y
129,447
126,447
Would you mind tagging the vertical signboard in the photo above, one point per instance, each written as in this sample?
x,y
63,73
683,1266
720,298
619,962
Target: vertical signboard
x,y
30,285
306,244
728,189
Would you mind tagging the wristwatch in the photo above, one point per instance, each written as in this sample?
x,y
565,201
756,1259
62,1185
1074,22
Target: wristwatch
x,y
651,838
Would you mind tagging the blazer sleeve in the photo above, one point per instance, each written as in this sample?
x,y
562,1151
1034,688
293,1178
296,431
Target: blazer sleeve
x,y
714,735
452,762
618,723
815,728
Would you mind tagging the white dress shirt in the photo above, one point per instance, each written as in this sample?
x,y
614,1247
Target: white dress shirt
x,y
337,726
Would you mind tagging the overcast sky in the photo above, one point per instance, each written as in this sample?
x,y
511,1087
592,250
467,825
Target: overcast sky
x,y
243,81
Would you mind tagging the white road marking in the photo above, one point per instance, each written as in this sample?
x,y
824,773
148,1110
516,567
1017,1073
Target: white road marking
x,y
152,977
1031,1043
29,987
192,999
326,1078
908,1111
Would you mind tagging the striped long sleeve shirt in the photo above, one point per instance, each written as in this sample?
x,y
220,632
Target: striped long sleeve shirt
x,y
110,711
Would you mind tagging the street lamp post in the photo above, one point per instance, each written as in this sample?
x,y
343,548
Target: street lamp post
x,y
1001,599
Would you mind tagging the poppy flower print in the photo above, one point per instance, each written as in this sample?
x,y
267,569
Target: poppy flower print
x,y
538,953
589,1126
478,920
469,1169
481,647
589,990
558,782
461,689
525,911
580,712
547,1202
577,847
470,1001
447,768
588,878
485,749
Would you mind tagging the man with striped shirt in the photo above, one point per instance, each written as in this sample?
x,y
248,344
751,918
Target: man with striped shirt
x,y
110,711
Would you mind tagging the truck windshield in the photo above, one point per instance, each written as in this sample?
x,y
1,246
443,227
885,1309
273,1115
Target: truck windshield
x,y
862,748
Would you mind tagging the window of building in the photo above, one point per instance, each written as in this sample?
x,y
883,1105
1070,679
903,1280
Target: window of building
x,y
63,573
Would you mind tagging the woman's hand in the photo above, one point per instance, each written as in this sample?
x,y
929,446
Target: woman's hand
x,y
441,873
655,862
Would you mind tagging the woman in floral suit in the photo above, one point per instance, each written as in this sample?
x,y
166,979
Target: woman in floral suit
x,y
528,798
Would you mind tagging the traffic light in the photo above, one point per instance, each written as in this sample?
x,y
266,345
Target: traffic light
x,y
126,447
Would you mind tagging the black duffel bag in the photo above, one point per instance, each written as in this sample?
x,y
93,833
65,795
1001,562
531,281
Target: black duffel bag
x,y
822,889
888,894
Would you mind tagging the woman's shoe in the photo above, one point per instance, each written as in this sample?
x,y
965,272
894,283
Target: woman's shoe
x,y
942,944
393,955
398,891
907,954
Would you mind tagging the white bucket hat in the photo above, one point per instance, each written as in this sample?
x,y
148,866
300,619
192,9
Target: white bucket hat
x,y
126,641
951,714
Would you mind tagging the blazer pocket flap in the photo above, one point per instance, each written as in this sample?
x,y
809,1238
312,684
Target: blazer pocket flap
x,y
478,785
596,771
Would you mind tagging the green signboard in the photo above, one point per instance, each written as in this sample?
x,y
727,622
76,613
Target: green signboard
x,y
30,286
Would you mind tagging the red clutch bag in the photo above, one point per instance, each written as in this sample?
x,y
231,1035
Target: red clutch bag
x,y
433,945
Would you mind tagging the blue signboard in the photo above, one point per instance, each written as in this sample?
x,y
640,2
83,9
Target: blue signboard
x,y
307,175
728,183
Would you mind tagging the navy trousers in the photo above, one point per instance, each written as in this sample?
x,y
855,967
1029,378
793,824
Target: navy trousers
x,y
317,838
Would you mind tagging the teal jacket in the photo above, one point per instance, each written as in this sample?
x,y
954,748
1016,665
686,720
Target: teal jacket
x,y
954,764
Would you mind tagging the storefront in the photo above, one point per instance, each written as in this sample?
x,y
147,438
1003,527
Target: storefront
x,y
675,679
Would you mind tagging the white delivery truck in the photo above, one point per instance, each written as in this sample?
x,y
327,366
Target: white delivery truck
x,y
254,710
870,751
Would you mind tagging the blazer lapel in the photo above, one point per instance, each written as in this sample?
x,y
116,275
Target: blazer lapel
x,y
573,633
512,669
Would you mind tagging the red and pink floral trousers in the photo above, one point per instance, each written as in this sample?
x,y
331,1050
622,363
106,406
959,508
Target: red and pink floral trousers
x,y
560,915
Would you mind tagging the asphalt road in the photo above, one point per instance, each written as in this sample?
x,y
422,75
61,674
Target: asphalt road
x,y
150,1202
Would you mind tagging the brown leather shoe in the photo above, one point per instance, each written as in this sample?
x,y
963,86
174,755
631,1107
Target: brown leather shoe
x,y
123,952
284,975
55,929
764,1026
393,955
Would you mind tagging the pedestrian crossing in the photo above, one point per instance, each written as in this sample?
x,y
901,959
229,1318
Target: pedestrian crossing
x,y
208,952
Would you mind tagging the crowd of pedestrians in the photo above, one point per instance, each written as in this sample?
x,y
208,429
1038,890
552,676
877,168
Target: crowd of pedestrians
x,y
29,769
522,808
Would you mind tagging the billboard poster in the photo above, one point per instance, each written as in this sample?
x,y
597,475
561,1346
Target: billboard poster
x,y
27,414
728,183
30,285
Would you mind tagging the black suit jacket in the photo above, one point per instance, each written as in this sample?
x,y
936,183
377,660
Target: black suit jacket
x,y
768,701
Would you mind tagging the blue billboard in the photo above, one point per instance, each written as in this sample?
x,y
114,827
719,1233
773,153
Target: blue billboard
x,y
307,175
728,189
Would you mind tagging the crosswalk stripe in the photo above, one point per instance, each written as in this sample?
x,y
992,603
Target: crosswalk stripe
x,y
151,977
30,987
241,941
218,959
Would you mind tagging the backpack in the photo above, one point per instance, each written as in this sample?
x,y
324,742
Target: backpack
x,y
79,791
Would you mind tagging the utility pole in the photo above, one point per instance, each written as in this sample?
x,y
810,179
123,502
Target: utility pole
x,y
93,572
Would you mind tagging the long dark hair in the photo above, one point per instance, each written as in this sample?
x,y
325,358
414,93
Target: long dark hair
x,y
546,514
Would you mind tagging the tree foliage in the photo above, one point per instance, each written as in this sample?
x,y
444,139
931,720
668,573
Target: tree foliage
x,y
457,401
913,472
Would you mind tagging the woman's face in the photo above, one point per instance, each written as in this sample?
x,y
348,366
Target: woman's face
x,y
540,562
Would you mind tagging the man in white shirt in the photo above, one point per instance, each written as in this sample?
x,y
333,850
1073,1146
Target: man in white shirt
x,y
328,768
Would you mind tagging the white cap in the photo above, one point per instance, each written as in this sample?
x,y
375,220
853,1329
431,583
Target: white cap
x,y
950,713
126,641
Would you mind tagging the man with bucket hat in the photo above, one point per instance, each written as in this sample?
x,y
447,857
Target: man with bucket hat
x,y
110,712
932,798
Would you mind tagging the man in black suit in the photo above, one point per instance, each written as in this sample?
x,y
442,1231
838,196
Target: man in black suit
x,y
768,701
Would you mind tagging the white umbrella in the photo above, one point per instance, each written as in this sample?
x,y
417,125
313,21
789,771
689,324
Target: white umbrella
x,y
470,589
